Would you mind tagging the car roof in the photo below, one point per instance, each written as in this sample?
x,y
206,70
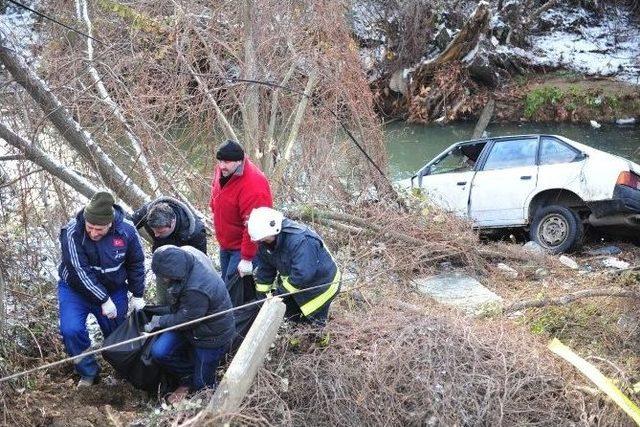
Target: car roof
x,y
496,138
575,144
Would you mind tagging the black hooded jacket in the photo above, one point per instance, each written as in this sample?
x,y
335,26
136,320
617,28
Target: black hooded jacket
x,y
196,290
189,229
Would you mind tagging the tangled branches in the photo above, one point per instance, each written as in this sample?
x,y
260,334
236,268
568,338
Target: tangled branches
x,y
451,94
377,239
390,367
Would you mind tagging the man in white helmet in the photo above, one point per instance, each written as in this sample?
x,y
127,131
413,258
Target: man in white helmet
x,y
297,256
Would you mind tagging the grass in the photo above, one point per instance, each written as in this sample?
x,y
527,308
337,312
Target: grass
x,y
573,98
540,97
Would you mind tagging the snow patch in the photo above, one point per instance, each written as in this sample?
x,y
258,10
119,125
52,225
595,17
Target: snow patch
x,y
17,25
607,46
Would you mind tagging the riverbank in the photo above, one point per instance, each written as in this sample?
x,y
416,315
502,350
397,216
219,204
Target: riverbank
x,y
559,97
567,97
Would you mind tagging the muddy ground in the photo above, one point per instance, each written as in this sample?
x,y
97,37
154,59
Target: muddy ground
x,y
54,400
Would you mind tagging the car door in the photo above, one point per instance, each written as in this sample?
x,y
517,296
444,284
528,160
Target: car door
x,y
447,180
561,166
503,183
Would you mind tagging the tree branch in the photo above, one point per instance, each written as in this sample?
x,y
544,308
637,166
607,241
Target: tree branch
x,y
83,14
70,129
51,165
293,134
566,299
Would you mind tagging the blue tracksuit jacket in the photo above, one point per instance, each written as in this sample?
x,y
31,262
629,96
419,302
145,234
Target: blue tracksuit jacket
x,y
96,269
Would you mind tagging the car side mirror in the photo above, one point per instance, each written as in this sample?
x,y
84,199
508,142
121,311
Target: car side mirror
x,y
581,156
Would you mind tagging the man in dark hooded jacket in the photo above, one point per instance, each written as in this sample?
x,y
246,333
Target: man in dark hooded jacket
x,y
170,222
195,290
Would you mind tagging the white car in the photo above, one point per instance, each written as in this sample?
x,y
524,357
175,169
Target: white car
x,y
547,183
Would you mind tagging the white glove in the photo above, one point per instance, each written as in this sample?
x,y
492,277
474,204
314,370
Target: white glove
x,y
245,268
109,309
137,303
154,323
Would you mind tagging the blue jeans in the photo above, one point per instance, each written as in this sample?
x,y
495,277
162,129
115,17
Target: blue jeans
x,y
229,260
195,366
74,309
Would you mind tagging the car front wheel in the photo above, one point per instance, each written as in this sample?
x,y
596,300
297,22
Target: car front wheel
x,y
556,228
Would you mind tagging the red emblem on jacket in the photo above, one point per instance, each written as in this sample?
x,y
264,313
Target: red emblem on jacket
x,y
118,242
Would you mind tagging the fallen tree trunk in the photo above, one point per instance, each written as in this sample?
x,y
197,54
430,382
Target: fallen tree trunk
x,y
357,225
42,159
70,129
461,45
566,299
485,118
141,161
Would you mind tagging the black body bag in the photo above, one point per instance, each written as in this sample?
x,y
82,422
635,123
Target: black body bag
x,y
242,290
132,361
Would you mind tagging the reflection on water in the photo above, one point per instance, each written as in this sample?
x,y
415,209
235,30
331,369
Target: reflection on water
x,y
411,146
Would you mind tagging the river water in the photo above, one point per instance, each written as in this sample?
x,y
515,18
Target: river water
x,y
411,146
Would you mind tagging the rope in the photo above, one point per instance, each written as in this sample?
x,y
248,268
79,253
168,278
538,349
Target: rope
x,y
151,334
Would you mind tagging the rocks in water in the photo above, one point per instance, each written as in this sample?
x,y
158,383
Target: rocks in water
x,y
459,290
626,121
606,250
568,262
595,124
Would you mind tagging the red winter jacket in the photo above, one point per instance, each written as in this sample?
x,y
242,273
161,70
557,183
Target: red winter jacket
x,y
231,205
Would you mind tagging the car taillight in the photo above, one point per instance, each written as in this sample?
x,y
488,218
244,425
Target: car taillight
x,y
629,179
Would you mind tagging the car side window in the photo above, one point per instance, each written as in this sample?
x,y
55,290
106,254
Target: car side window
x,y
552,151
512,153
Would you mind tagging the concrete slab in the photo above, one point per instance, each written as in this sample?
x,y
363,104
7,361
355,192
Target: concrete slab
x,y
459,290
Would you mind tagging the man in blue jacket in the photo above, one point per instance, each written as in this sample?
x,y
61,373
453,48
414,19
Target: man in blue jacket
x,y
299,257
102,259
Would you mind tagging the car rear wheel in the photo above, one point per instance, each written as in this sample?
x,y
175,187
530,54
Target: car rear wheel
x,y
557,229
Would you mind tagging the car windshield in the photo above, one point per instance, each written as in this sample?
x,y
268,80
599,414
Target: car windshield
x,y
460,159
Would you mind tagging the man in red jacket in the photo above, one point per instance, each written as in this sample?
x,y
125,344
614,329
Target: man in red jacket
x,y
238,187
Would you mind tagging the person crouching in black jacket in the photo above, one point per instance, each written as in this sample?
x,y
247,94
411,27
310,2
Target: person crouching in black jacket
x,y
195,290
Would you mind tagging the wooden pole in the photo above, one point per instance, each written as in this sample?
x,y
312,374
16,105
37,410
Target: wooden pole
x,y
485,118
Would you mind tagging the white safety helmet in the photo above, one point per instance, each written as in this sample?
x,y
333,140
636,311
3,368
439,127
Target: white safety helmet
x,y
264,222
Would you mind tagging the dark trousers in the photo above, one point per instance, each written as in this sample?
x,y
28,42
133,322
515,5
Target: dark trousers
x,y
74,309
293,313
195,366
